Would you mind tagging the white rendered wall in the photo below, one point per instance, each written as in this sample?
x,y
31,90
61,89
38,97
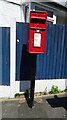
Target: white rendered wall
x,y
41,85
11,10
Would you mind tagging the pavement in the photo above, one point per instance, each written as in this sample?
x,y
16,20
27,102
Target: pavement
x,y
44,107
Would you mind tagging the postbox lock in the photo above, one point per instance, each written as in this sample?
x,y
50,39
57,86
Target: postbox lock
x,y
37,30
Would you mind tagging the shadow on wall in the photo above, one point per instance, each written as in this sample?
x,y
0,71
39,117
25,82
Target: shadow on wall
x,y
66,83
25,65
25,69
24,85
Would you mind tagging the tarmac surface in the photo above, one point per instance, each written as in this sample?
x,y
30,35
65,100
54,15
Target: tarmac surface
x,y
44,107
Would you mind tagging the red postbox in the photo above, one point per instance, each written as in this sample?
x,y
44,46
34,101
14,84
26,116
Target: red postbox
x,y
37,32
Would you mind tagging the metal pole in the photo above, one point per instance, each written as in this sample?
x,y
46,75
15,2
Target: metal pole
x,y
33,72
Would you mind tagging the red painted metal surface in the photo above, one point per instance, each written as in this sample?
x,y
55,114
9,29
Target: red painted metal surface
x,y
37,32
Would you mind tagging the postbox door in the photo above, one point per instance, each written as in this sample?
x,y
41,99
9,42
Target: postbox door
x,y
37,41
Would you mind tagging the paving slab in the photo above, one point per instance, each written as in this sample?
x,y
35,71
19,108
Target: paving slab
x,y
44,107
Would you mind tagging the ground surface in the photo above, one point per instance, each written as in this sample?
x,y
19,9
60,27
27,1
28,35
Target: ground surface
x,y
44,107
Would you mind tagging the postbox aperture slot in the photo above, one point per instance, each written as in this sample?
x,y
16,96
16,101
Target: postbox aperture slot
x,y
38,21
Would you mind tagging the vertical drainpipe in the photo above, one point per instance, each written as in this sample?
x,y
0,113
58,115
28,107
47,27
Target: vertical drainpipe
x,y
54,18
22,12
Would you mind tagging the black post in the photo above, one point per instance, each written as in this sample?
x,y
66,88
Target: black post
x,y
33,72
